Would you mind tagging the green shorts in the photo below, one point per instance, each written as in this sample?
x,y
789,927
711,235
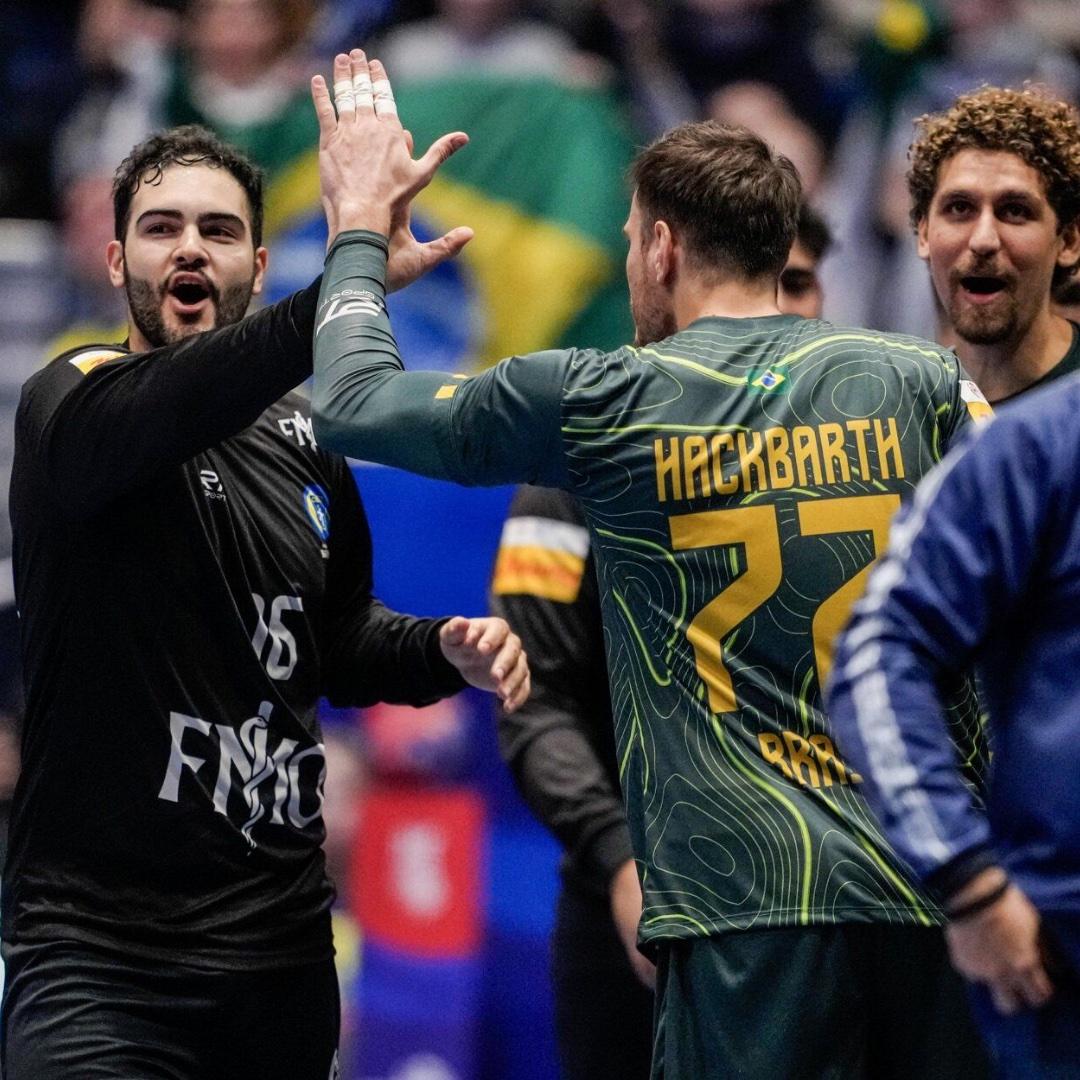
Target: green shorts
x,y
852,1001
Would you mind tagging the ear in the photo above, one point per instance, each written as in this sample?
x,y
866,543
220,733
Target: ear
x,y
114,256
1069,254
262,257
662,253
922,242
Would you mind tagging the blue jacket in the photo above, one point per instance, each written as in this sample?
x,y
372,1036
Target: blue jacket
x,y
983,565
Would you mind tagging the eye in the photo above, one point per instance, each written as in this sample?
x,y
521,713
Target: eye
x,y
1016,211
956,207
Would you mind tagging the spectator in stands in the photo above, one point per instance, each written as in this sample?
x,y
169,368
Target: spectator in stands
x,y
483,36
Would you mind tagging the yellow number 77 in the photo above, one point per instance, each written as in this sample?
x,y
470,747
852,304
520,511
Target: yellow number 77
x,y
757,530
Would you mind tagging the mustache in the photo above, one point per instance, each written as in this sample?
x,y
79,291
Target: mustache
x,y
982,270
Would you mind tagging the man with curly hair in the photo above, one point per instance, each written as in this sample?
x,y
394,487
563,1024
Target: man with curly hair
x,y
995,202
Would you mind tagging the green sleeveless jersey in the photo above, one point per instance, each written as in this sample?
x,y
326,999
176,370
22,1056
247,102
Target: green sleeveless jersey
x,y
738,479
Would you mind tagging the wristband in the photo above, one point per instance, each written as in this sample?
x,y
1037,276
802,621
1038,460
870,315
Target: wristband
x,y
973,907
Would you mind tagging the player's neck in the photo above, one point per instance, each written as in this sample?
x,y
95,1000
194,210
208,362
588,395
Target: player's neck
x,y
729,299
136,342
1002,370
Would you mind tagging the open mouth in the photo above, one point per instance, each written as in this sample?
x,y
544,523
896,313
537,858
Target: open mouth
x,y
982,286
189,293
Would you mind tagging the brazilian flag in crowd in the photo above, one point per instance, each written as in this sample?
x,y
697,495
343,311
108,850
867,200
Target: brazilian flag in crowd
x,y
542,182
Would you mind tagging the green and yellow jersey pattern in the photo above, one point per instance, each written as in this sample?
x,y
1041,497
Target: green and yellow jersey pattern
x,y
738,480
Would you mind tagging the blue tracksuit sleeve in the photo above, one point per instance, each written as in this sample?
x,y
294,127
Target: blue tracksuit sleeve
x,y
958,561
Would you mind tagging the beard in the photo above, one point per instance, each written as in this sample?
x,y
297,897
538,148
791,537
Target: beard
x,y
145,302
991,324
653,320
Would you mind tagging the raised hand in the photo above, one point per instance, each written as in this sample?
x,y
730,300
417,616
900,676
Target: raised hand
x,y
489,656
368,176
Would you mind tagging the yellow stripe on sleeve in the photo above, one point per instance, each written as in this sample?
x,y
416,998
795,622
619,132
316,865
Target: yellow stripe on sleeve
x,y
540,572
87,361
541,557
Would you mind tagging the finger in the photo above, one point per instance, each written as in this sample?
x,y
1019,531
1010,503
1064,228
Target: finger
x,y
446,247
385,106
409,142
521,695
438,152
1035,987
361,80
508,687
453,631
344,94
324,107
495,632
507,657
1005,1001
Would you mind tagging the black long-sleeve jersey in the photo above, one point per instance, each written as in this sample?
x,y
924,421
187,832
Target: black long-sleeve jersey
x,y
560,745
192,572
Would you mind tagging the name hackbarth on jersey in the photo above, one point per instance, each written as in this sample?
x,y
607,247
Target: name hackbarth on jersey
x,y
808,455
281,784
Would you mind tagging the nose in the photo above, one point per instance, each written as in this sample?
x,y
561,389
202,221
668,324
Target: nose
x,y
189,250
984,239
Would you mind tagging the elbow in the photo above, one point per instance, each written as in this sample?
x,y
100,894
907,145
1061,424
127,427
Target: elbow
x,y
331,431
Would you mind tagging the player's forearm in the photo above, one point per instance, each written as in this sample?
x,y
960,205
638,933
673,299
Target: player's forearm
x,y
363,403
382,655
562,781
103,433
889,719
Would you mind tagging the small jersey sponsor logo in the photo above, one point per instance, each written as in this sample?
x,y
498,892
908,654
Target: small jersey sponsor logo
x,y
317,508
298,427
211,484
87,361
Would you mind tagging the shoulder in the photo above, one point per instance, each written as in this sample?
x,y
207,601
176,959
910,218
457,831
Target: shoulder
x,y
68,369
880,344
1044,419
543,376
1028,453
85,358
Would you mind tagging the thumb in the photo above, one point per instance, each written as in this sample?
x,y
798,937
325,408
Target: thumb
x,y
453,632
446,247
438,152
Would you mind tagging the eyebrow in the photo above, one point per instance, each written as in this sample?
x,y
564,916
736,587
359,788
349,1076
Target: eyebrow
x,y
210,218
1009,193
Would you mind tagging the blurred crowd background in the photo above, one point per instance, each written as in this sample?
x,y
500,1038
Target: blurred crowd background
x,y
447,885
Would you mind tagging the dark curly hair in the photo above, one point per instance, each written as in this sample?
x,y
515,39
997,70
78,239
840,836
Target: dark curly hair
x,y
187,145
1041,131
